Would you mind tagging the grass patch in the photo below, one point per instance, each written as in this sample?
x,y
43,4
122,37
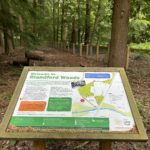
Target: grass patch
x,y
142,49
140,46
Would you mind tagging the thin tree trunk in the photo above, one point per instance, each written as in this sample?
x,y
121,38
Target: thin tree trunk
x,y
8,45
62,19
97,19
87,22
119,34
79,21
74,31
65,33
54,24
1,42
6,42
21,26
12,39
1,39
58,13
34,19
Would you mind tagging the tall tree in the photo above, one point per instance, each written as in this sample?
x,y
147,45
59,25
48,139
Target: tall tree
x,y
74,31
97,18
54,21
1,39
7,20
35,15
62,19
21,27
8,43
118,45
58,20
87,22
79,20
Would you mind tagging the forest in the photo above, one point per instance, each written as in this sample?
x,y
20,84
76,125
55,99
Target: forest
x,y
30,23
76,33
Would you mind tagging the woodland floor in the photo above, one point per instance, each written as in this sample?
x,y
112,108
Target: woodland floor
x,y
139,78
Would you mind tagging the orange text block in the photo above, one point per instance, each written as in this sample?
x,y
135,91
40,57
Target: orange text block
x,y
32,106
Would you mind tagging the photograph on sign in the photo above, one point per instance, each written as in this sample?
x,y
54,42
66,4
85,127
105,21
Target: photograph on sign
x,y
73,100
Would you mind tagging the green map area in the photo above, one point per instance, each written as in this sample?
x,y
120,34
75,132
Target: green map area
x,y
85,91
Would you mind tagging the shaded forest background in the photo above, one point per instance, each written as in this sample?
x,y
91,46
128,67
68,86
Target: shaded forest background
x,y
32,22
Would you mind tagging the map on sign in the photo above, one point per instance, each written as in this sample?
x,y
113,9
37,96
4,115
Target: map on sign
x,y
75,100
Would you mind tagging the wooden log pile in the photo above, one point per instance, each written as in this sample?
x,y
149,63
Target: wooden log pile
x,y
34,55
29,56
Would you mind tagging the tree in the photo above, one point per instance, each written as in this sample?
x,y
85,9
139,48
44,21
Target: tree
x,y
58,20
7,20
62,19
118,45
21,26
1,39
54,21
79,20
87,22
35,15
139,25
74,31
97,17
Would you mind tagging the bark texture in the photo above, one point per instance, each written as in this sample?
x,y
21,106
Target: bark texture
x,y
87,22
118,47
8,43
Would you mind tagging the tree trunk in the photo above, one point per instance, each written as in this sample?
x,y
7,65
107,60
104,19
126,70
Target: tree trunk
x,y
79,21
1,39
21,26
74,31
54,24
65,33
62,19
58,13
12,39
97,18
8,45
87,22
34,19
118,46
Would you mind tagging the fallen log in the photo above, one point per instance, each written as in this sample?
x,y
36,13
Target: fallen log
x,y
20,61
34,55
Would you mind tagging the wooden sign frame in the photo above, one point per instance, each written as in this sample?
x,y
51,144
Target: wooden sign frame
x,y
140,135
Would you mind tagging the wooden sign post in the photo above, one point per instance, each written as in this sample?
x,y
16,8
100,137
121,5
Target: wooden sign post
x,y
62,103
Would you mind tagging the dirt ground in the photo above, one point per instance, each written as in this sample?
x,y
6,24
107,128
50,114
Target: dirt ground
x,y
139,78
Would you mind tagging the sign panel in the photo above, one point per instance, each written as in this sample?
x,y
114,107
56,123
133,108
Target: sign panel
x,y
73,100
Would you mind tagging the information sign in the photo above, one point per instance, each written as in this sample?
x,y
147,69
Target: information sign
x,y
73,100
73,103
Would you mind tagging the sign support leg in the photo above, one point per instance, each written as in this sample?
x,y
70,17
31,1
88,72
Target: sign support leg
x,y
105,145
39,145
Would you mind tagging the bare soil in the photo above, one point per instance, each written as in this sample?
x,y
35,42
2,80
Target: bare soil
x,y
139,78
